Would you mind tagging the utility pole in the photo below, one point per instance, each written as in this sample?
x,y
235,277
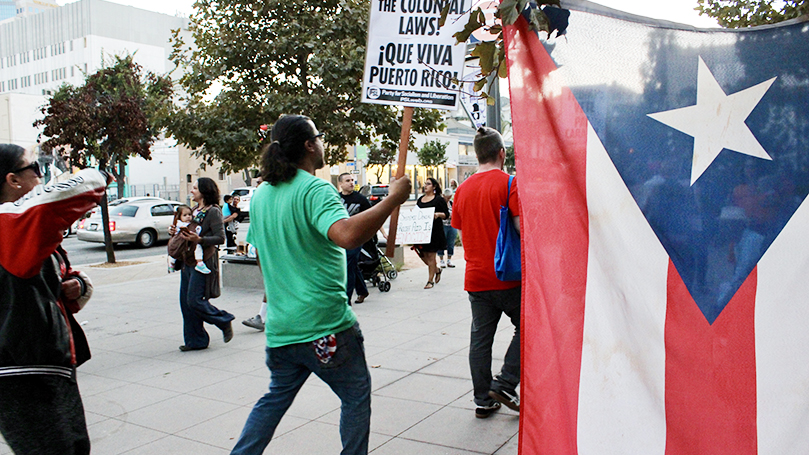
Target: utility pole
x,y
493,111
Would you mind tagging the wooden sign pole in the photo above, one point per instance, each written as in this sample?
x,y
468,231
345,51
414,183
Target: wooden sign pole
x,y
404,141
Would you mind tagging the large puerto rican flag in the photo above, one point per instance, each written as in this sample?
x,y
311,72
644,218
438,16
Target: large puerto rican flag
x,y
663,176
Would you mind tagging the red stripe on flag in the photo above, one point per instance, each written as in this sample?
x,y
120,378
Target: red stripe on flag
x,y
710,373
550,139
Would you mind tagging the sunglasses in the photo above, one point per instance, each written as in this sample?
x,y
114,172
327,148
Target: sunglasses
x,y
34,166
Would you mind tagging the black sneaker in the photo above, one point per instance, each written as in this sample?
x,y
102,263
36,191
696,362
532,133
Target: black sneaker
x,y
508,397
481,412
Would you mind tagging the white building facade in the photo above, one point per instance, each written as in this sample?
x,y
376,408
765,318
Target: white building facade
x,y
41,51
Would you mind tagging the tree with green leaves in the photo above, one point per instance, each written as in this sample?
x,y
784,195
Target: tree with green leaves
x,y
272,57
113,116
492,53
380,157
747,13
433,154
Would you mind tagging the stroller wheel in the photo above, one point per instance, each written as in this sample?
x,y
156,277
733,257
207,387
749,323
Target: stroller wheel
x,y
375,280
384,286
392,274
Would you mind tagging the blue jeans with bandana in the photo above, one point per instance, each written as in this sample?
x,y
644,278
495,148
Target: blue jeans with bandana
x,y
346,372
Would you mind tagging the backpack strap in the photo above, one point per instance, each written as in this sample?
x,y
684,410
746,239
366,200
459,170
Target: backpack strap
x,y
508,194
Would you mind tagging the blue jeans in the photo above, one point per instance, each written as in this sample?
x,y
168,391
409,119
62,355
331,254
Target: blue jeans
x,y
487,307
354,278
451,234
197,309
347,375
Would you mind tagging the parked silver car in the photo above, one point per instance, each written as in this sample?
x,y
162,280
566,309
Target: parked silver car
x,y
140,222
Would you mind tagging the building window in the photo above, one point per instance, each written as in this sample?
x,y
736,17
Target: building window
x,y
221,175
188,178
40,78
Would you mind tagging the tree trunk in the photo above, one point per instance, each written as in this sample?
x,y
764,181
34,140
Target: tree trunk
x,y
119,172
303,67
105,221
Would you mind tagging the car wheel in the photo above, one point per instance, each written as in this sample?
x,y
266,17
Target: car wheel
x,y
146,238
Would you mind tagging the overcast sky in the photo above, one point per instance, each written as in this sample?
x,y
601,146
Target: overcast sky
x,y
674,10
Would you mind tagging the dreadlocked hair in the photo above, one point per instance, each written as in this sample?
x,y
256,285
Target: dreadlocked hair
x,y
280,158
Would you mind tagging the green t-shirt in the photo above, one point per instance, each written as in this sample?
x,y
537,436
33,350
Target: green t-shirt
x,y
304,272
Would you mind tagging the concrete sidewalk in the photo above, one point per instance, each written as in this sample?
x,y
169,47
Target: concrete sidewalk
x,y
143,396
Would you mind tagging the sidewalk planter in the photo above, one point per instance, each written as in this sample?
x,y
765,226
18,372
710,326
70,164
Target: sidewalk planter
x,y
241,272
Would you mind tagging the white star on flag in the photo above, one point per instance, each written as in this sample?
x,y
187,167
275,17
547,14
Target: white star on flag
x,y
717,121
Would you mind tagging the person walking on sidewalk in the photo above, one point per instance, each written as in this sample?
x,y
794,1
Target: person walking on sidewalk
x,y
432,198
196,289
301,232
449,232
476,214
41,344
354,203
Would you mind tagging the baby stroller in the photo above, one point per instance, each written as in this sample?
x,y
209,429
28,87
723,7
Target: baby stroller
x,y
376,267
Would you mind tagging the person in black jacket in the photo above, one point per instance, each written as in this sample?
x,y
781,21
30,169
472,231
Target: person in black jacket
x,y
354,203
41,344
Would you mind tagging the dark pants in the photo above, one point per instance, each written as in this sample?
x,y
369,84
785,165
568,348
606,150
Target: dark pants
x,y
231,239
487,307
43,414
347,375
197,309
354,278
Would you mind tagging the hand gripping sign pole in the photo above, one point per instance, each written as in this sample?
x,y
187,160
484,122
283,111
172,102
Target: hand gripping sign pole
x,y
404,141
413,60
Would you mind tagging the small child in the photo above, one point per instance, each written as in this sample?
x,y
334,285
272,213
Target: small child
x,y
183,219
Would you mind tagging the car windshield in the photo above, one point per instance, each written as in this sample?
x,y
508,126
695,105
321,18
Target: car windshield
x,y
378,190
126,200
240,192
124,210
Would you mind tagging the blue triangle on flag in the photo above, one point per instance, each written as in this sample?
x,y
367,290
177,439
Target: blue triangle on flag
x,y
718,226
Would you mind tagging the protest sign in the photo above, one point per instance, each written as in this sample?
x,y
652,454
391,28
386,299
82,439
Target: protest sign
x,y
473,104
415,226
409,60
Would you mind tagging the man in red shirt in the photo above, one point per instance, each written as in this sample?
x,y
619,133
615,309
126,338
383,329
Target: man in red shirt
x,y
476,214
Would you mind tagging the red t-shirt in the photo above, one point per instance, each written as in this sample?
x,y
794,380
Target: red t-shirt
x,y
476,212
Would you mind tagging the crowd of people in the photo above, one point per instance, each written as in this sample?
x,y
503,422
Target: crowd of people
x,y
310,327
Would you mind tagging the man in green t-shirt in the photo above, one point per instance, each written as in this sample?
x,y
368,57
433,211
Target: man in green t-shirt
x,y
301,230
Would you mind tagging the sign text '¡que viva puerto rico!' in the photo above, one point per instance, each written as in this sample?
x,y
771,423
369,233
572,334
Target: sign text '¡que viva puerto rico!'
x,y
430,54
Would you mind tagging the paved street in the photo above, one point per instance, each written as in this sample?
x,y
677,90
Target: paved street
x,y
143,396
81,252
